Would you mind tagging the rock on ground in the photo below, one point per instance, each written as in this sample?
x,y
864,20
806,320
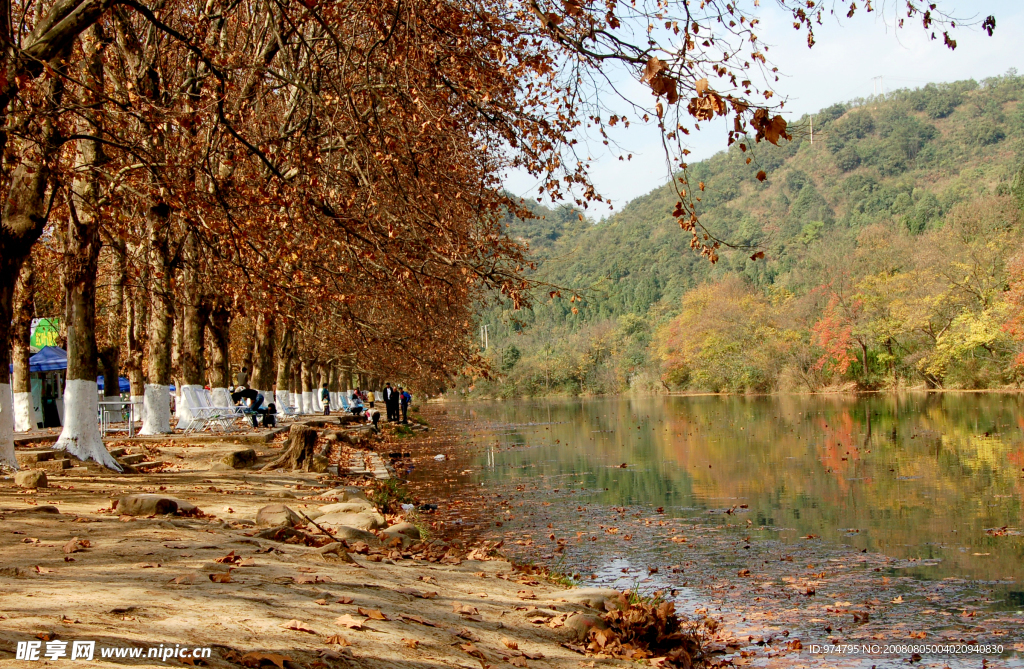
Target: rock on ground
x,y
355,506
30,479
240,459
595,598
275,515
362,521
153,505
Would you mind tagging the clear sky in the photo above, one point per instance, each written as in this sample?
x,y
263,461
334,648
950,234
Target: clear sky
x,y
840,67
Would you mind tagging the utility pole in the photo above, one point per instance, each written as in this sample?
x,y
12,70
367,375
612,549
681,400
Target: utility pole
x,y
484,339
812,131
880,88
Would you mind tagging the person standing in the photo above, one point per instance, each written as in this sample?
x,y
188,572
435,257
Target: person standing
x,y
369,398
242,378
404,397
325,400
391,402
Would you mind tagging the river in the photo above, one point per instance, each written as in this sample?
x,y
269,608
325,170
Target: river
x,y
786,516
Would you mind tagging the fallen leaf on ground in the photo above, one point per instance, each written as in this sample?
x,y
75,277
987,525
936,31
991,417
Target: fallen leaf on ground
x,y
472,650
526,594
76,545
230,558
372,614
411,643
43,570
898,600
518,661
321,602
345,600
338,639
298,626
464,609
221,578
418,619
184,578
257,659
350,622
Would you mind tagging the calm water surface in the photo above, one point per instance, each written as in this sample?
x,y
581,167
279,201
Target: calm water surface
x,y
937,479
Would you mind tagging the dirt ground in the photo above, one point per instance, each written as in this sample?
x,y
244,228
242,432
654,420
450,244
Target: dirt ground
x,y
210,582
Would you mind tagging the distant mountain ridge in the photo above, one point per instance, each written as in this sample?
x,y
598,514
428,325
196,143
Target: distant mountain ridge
x,y
908,158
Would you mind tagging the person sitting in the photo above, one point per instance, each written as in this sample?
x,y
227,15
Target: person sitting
x,y
357,403
270,417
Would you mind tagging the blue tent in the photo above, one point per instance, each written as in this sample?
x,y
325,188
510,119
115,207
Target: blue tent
x,y
49,359
122,384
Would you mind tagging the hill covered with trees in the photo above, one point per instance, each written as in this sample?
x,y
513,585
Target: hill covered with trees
x,y
890,249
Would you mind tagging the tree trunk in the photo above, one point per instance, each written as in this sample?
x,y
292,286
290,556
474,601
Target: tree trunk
x,y
110,355
158,373
24,217
306,379
263,376
135,340
298,453
219,325
284,363
25,418
332,386
80,435
296,386
191,354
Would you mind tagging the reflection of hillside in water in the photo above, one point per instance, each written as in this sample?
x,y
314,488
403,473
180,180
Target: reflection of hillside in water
x,y
911,476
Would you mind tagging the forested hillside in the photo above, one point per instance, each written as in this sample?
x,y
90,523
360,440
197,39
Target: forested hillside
x,y
890,248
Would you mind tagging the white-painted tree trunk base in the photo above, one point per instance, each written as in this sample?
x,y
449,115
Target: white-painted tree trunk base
x,y
139,407
183,410
307,403
7,426
220,397
81,433
157,402
335,401
282,399
24,413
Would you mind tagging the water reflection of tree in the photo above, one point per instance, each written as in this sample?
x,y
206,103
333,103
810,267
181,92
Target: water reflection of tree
x,y
906,470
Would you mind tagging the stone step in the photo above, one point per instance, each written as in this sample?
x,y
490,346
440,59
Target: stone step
x,y
26,458
52,465
149,465
132,459
118,452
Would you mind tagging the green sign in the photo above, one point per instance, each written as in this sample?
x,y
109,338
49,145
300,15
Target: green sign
x,y
45,332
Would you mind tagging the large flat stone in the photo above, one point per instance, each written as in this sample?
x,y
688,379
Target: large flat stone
x,y
362,521
275,515
355,506
244,457
153,505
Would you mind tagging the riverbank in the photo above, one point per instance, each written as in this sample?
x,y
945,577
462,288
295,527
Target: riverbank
x,y
228,574
789,525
